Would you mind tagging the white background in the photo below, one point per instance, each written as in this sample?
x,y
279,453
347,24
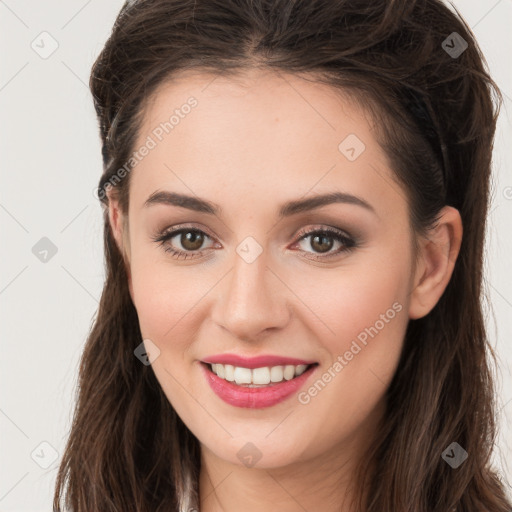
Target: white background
x,y
50,163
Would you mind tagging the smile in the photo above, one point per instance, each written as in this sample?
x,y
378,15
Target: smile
x,y
258,387
258,377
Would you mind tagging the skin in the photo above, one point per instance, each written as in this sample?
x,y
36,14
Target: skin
x,y
251,144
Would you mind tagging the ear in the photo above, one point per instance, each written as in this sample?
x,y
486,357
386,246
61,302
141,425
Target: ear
x,y
435,262
119,228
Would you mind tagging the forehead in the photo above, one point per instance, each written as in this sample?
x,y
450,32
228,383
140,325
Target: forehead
x,y
282,96
259,131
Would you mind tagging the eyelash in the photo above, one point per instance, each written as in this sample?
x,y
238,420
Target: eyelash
x,y
348,243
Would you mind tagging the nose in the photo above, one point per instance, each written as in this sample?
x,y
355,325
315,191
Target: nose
x,y
251,300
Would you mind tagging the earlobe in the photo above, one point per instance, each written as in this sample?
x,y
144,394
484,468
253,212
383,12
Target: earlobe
x,y
438,254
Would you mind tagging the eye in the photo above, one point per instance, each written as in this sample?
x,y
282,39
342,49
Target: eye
x,y
189,238
322,241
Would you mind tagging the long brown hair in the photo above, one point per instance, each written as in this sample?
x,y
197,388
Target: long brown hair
x,y
128,450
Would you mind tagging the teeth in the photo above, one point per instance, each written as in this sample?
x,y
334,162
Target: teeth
x,y
257,376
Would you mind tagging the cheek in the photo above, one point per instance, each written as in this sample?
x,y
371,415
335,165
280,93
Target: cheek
x,y
366,303
367,320
165,297
350,300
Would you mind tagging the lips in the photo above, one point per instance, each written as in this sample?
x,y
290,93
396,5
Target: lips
x,y
256,397
255,362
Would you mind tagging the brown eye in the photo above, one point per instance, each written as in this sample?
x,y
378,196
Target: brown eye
x,y
184,243
191,240
322,243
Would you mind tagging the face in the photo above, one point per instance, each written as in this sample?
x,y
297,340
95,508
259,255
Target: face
x,y
260,268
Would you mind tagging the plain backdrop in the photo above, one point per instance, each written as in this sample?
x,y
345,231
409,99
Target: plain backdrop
x,y
51,227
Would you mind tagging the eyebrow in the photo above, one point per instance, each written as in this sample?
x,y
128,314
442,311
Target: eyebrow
x,y
290,208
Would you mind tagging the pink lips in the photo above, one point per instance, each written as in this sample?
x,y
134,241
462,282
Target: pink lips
x,y
255,362
259,397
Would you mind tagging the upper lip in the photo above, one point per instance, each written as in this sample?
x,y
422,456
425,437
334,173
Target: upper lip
x,y
255,362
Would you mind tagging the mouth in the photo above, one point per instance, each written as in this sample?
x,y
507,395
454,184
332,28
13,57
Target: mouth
x,y
262,377
257,388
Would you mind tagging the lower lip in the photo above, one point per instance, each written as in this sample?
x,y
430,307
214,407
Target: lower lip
x,y
254,398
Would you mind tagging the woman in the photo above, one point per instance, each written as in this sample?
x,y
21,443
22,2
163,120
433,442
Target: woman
x,y
295,196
